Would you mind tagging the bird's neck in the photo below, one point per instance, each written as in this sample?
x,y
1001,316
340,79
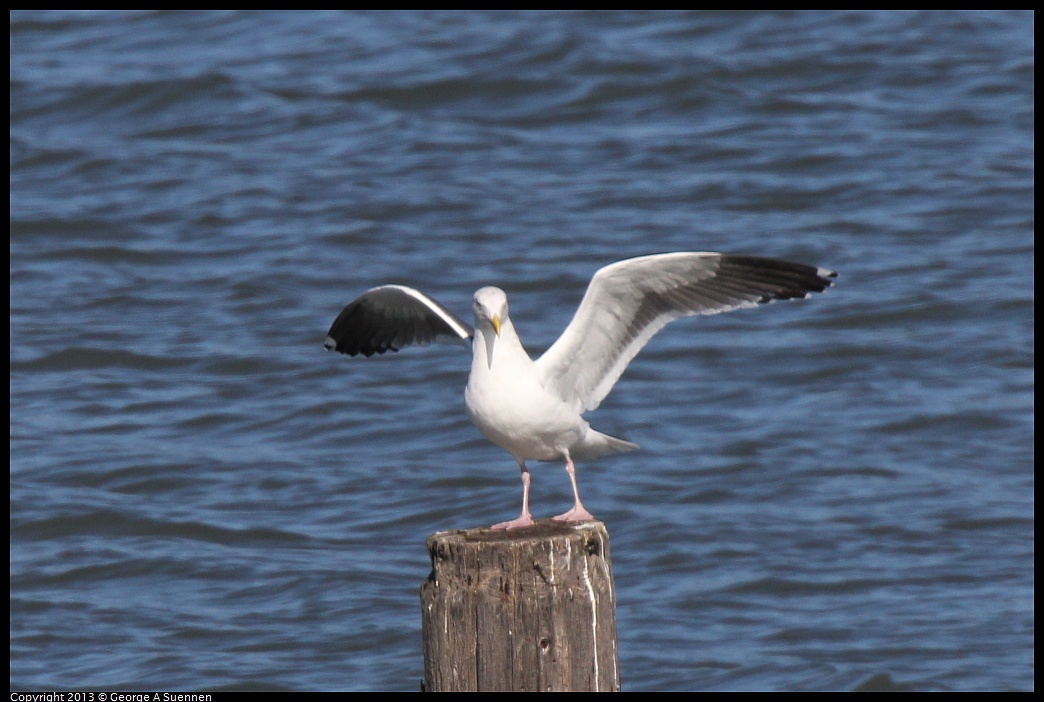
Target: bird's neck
x,y
491,350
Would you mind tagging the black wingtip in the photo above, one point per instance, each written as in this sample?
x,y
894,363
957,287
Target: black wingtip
x,y
779,279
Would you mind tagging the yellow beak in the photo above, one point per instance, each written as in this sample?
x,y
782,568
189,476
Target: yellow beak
x,y
495,321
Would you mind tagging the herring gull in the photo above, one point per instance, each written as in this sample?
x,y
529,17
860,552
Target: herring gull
x,y
534,409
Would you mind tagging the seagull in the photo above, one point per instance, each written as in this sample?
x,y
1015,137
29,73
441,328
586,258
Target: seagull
x,y
534,409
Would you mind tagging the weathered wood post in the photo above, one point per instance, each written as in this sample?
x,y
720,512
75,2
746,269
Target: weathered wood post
x,y
522,610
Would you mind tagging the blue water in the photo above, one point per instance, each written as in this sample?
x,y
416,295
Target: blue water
x,y
831,494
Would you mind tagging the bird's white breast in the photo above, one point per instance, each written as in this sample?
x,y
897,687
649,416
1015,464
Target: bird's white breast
x,y
506,401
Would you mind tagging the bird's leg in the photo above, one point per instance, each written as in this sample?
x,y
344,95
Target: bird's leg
x,y
578,513
524,519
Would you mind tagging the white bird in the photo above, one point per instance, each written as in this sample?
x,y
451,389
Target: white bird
x,y
533,409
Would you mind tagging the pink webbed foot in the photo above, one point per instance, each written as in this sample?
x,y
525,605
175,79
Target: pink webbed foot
x,y
577,514
524,520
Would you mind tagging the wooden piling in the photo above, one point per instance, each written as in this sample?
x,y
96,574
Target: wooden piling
x,y
522,610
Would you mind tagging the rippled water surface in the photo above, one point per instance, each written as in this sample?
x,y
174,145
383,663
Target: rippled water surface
x,y
831,494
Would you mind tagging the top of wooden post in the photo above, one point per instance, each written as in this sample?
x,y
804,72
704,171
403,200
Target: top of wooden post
x,y
539,531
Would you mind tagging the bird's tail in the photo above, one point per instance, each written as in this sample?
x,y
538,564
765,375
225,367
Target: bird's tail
x,y
596,444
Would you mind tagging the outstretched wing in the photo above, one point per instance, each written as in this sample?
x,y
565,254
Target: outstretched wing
x,y
627,302
388,317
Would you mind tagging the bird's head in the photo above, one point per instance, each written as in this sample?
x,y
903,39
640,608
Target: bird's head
x,y
491,308
491,313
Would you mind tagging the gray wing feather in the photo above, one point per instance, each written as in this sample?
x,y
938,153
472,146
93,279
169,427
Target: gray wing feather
x,y
627,302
